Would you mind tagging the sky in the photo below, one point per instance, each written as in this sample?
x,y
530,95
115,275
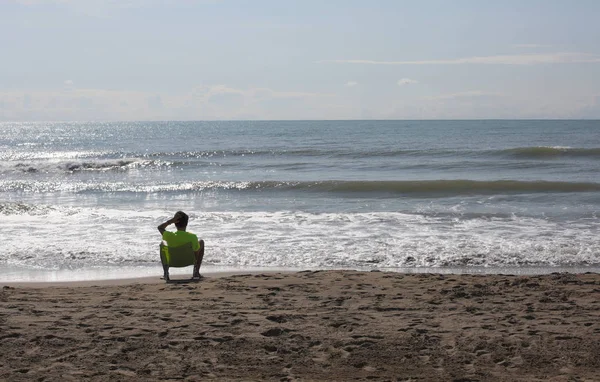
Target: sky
x,y
120,60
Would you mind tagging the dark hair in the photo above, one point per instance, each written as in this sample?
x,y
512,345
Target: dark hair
x,y
183,219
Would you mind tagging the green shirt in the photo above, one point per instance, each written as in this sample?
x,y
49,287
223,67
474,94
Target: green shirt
x,y
179,238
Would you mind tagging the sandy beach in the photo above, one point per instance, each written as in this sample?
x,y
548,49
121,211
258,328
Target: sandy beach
x,y
323,325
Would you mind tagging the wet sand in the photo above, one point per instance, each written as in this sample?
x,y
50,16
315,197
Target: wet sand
x,y
323,325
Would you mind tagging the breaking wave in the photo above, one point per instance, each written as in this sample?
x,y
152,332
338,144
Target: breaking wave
x,y
543,152
429,188
85,166
533,152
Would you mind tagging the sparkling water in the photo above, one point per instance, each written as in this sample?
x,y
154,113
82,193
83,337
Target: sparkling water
x,y
303,194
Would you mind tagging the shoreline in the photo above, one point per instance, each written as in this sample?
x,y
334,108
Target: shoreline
x,y
20,276
309,325
116,275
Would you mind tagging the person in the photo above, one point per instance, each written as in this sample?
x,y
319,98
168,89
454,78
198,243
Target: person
x,y
181,237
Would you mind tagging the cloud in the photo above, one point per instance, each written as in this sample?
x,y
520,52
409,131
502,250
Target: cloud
x,y
212,102
351,83
469,94
27,101
407,81
222,102
284,94
519,59
154,102
481,104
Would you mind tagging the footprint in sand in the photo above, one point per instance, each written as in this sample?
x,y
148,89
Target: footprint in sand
x,y
275,332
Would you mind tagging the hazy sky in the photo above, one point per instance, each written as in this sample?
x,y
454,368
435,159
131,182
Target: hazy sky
x,y
298,59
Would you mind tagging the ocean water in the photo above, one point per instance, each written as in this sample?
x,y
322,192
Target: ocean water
x,y
302,194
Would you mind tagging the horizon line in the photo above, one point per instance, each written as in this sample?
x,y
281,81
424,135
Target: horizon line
x,y
304,120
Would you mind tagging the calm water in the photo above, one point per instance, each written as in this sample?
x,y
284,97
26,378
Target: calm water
x,y
306,194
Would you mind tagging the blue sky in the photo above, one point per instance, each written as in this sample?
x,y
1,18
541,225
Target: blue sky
x,y
278,59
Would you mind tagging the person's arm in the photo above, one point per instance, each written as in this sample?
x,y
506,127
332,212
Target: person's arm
x,y
163,226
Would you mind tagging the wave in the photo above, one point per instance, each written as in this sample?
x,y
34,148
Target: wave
x,y
548,152
99,165
441,187
240,153
80,166
533,152
425,188
57,155
215,154
318,240
22,208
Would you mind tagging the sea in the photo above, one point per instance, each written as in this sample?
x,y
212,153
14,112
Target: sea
x,y
82,200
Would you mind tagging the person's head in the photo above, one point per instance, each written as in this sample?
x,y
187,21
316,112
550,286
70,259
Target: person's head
x,y
182,220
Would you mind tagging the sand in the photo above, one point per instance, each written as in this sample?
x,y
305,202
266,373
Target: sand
x,y
324,325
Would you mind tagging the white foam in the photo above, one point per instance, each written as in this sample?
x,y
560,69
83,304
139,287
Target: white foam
x,y
62,166
12,155
79,238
